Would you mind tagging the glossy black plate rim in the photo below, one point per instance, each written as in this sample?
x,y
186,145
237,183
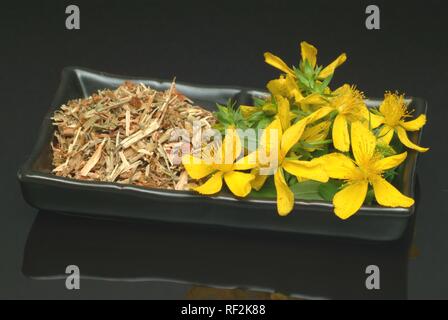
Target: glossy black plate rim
x,y
27,174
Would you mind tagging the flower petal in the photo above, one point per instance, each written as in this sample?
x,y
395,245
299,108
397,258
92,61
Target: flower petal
x,y
259,180
271,137
305,169
319,114
283,111
341,137
387,195
278,87
414,125
231,146
247,111
248,162
196,168
329,70
402,135
375,120
239,182
309,52
390,162
393,107
285,197
386,134
278,63
212,185
363,143
385,106
348,201
286,87
292,135
229,150
313,99
338,166
316,132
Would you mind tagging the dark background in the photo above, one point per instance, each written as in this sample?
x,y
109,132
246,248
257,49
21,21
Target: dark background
x,y
215,43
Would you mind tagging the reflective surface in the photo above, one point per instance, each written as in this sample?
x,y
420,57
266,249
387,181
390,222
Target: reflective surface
x,y
142,251
215,44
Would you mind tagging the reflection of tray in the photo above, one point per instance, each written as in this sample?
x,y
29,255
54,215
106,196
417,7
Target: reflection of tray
x,y
177,256
100,199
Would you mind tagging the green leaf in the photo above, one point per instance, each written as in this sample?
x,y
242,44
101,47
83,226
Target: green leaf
x,y
268,190
301,153
263,123
329,189
304,81
258,102
325,83
321,151
307,190
308,69
255,117
230,115
300,114
375,110
315,144
390,174
369,197
385,150
270,109
397,145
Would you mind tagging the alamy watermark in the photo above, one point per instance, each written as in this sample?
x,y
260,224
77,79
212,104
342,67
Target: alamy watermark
x,y
210,147
373,279
72,282
73,20
373,18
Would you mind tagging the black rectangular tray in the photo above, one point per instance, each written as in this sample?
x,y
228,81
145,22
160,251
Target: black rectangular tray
x,y
46,191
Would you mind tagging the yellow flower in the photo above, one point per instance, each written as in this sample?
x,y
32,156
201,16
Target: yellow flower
x,y
349,104
221,167
314,134
367,168
286,86
309,53
274,146
283,110
393,113
247,111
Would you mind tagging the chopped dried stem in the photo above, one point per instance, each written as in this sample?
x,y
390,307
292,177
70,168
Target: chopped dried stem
x,y
125,136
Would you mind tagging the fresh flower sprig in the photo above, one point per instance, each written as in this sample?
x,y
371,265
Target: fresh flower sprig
x,y
314,136
219,164
364,167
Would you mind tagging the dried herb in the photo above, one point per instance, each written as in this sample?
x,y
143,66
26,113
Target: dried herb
x,y
126,136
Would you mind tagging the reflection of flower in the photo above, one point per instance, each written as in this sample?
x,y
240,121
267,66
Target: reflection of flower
x,y
393,112
367,168
222,166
